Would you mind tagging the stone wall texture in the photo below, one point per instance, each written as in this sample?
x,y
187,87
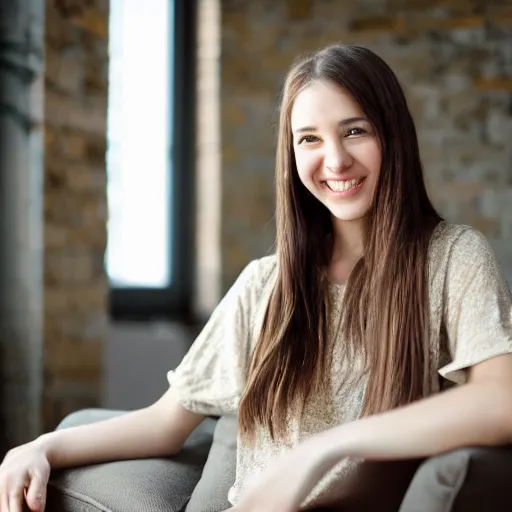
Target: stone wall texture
x,y
454,60
75,206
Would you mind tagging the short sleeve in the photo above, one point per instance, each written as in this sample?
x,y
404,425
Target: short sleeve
x,y
477,306
211,377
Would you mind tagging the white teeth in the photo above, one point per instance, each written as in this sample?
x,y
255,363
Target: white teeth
x,y
342,186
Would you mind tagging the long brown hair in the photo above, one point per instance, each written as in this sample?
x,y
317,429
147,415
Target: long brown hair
x,y
385,310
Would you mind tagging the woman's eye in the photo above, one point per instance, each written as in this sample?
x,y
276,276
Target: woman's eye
x,y
308,139
355,131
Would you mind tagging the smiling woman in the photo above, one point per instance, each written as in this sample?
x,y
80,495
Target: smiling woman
x,y
376,332
337,151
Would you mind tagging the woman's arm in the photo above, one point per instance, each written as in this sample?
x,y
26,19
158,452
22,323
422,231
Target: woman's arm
x,y
476,413
157,430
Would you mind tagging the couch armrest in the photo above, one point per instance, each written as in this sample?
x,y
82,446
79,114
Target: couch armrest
x,y
465,480
148,485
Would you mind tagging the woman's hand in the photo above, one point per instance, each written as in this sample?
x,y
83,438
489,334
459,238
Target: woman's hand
x,y
291,479
24,475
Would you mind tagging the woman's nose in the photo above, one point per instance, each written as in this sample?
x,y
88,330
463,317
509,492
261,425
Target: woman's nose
x,y
337,158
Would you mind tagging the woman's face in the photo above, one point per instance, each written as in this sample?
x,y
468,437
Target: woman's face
x,y
337,152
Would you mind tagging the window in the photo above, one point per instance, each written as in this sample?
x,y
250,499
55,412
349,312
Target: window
x,y
150,142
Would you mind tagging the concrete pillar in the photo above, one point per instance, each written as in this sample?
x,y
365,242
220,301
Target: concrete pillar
x,y
21,220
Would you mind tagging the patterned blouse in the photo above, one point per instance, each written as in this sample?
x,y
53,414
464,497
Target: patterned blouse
x,y
470,322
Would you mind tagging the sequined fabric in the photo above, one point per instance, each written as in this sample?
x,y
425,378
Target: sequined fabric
x,y
470,321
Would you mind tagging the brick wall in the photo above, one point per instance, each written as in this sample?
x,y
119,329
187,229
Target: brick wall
x,y
75,209
454,59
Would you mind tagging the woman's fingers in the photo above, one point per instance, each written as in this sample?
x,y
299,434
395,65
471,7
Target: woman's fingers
x,y
4,504
32,491
15,499
36,493
24,474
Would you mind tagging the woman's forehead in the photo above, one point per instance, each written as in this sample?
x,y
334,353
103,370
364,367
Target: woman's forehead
x,y
323,102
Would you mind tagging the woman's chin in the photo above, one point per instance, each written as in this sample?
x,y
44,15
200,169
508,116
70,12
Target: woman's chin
x,y
348,214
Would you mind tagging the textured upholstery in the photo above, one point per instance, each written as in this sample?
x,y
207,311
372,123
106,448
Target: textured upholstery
x,y
465,480
151,485
211,492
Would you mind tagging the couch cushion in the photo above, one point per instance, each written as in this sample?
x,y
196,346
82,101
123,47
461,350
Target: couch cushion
x,y
464,480
150,485
436,483
211,492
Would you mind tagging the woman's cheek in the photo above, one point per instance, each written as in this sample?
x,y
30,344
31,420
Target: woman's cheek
x,y
307,165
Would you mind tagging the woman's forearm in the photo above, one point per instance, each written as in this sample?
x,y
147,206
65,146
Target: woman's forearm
x,y
470,415
158,430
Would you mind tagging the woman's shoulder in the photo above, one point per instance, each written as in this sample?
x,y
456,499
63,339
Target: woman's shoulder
x,y
258,277
260,269
457,239
459,247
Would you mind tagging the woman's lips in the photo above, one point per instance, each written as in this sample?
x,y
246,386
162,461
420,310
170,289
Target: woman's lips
x,y
345,188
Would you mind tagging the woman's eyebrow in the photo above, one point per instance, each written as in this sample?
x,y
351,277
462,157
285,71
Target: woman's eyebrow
x,y
344,122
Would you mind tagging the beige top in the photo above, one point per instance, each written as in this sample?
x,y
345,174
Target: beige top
x,y
468,295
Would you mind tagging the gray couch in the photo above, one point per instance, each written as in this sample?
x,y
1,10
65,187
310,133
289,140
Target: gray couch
x,y
467,480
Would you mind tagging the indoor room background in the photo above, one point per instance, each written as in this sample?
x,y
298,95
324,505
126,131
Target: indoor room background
x,y
137,156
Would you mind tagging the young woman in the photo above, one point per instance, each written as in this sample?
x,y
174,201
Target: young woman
x,y
335,349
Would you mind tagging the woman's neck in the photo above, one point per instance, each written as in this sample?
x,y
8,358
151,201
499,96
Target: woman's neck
x,y
347,249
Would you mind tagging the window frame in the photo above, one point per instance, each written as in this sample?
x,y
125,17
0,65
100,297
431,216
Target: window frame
x,y
173,301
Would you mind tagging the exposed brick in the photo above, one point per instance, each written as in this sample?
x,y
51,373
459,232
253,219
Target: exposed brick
x,y
87,113
66,268
73,145
84,179
494,84
234,115
378,24
92,21
56,300
75,207
235,21
55,237
96,149
453,60
58,30
65,68
299,9
73,359
230,155
499,13
96,79
49,138
96,64
462,22
59,406
488,226
92,237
